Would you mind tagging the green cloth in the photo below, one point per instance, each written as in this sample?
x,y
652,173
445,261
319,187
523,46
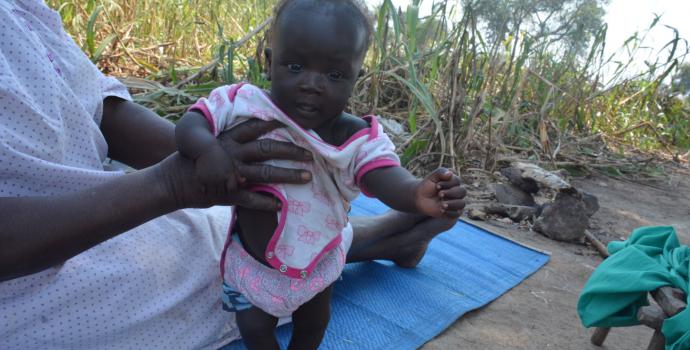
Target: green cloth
x,y
651,258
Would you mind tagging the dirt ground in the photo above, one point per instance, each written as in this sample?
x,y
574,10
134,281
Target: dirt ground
x,y
540,313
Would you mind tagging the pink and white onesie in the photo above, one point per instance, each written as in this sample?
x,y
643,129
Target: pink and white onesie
x,y
308,248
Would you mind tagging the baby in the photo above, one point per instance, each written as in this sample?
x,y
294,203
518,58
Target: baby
x,y
284,264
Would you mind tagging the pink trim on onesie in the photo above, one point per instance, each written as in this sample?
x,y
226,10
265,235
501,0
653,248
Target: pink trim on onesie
x,y
200,106
272,291
372,131
275,292
233,91
273,259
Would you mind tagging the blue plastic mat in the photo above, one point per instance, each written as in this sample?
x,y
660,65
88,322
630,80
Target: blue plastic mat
x,y
378,306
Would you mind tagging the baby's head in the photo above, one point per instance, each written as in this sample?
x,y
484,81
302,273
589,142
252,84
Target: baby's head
x,y
316,55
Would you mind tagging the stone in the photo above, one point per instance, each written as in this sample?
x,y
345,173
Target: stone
x,y
562,173
591,203
476,214
543,177
505,220
520,213
516,213
496,209
540,208
512,195
392,126
565,219
515,177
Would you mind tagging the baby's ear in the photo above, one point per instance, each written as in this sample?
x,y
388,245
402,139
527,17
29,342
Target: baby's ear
x,y
268,54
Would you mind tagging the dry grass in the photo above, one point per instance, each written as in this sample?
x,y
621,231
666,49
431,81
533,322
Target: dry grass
x,y
464,101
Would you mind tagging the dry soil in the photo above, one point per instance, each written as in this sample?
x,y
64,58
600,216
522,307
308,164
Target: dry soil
x,y
540,313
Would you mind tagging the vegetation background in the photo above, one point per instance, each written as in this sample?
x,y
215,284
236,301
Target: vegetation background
x,y
474,84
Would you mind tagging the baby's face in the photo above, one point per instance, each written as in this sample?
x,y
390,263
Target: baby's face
x,y
314,63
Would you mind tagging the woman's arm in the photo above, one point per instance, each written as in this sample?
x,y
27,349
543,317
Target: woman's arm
x,y
136,136
39,232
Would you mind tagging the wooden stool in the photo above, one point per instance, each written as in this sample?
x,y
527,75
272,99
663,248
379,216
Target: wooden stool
x,y
670,302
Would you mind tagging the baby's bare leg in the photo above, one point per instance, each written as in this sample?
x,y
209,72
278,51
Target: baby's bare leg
x,y
257,328
309,322
399,237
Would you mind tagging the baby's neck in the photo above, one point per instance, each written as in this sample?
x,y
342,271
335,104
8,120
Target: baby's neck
x,y
341,128
337,130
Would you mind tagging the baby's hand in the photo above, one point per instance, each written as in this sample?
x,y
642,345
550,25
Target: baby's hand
x,y
216,171
440,194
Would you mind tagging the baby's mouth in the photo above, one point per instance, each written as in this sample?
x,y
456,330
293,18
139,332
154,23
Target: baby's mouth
x,y
306,108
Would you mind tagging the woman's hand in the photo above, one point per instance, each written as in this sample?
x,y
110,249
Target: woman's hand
x,y
178,177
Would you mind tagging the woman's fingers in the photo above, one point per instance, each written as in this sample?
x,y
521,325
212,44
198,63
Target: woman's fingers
x,y
262,173
266,149
241,143
249,130
242,146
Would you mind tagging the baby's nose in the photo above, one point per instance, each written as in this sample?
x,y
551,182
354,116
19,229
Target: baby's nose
x,y
312,82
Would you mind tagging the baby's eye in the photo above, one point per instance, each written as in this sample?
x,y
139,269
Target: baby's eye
x,y
335,75
294,67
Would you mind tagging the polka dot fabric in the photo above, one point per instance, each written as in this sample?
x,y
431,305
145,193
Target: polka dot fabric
x,y
153,287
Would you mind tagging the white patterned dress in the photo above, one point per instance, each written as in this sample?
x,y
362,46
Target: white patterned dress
x,y
153,287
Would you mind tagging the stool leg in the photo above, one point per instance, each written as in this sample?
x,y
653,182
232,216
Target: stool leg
x,y
599,335
658,341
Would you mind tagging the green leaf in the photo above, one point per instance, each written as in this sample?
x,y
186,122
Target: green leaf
x,y
612,171
91,32
412,116
101,47
412,150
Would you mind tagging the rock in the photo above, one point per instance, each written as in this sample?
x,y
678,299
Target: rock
x,y
562,173
591,203
539,208
515,212
515,177
543,177
565,219
512,195
476,214
505,220
497,209
391,126
519,213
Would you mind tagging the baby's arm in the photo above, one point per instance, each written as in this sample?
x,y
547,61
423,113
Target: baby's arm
x,y
438,194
